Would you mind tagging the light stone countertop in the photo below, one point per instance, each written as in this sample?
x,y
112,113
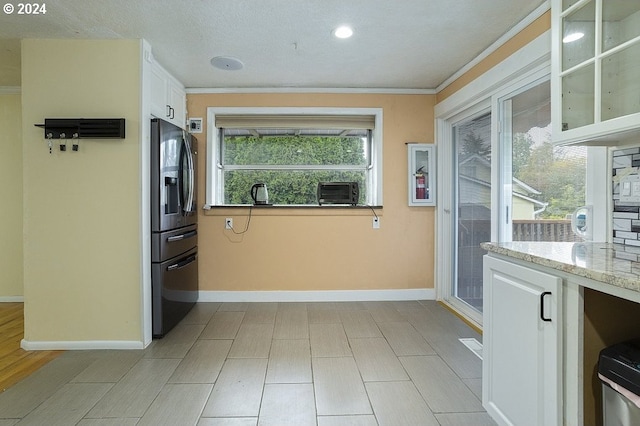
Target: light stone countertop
x,y
612,264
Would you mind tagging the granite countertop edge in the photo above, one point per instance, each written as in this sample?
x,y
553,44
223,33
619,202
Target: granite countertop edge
x,y
613,264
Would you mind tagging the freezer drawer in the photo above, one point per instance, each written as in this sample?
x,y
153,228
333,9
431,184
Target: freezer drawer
x,y
174,290
169,244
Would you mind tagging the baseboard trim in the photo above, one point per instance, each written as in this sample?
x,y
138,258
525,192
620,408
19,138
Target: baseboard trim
x,y
318,296
79,345
247,296
11,299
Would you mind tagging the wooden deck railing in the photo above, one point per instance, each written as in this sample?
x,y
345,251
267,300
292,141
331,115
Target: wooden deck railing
x,y
543,230
469,287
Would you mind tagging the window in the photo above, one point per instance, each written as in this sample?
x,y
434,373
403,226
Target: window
x,y
291,150
542,184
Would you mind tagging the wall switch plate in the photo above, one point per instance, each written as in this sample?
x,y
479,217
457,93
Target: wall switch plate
x,y
228,223
630,189
376,223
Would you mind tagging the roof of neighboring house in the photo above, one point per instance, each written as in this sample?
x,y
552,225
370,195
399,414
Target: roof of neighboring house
x,y
518,184
515,194
478,158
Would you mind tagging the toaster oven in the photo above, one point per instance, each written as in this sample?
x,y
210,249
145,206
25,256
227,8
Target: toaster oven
x,y
338,193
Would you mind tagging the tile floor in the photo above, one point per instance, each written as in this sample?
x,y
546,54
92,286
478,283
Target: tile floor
x,y
324,364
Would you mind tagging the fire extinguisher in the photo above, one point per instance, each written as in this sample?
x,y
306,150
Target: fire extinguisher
x,y
420,185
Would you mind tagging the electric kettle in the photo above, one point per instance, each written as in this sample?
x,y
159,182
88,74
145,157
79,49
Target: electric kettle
x,y
259,194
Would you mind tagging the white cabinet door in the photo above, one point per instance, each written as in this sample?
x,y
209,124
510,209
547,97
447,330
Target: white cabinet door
x,y
168,98
595,57
159,107
177,102
522,349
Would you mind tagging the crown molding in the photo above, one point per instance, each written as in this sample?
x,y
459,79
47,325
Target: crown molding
x,y
229,90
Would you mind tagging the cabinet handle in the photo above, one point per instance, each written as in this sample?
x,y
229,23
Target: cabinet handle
x,y
168,115
173,113
542,317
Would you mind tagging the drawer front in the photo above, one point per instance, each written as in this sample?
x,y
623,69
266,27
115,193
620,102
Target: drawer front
x,y
169,244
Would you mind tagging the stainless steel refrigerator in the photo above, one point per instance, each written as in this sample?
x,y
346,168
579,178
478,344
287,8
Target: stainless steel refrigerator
x,y
174,225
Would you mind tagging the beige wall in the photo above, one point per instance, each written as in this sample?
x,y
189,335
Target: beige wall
x,y
299,249
11,196
9,62
81,209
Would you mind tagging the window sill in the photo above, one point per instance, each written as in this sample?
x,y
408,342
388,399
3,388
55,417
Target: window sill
x,y
288,210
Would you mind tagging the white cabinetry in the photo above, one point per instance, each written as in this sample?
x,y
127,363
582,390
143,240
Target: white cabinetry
x,y
522,346
168,98
595,60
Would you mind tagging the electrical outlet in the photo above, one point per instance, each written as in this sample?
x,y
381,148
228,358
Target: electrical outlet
x,y
376,223
228,223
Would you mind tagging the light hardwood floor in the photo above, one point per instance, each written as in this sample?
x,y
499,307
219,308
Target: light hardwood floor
x,y
16,363
317,364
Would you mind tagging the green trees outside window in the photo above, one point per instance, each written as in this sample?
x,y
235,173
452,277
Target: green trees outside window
x,y
291,165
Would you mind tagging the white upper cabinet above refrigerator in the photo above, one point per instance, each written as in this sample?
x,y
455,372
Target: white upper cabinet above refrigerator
x,y
595,61
168,99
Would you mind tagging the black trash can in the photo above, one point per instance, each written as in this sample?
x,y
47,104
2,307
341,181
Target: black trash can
x,y
619,371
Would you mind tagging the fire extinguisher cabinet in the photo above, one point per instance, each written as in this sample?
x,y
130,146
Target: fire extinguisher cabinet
x,y
422,174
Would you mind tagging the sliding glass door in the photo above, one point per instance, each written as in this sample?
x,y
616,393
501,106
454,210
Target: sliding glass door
x,y
472,212
507,183
542,184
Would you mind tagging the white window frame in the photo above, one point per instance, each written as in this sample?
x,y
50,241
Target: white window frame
x,y
531,63
214,192
446,236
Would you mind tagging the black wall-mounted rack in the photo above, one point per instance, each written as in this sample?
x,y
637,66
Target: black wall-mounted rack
x,y
79,128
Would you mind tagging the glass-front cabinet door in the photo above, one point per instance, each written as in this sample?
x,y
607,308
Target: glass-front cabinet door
x,y
595,62
422,174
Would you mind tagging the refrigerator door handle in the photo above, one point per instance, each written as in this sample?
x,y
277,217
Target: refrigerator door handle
x,y
192,196
190,200
182,264
175,238
187,206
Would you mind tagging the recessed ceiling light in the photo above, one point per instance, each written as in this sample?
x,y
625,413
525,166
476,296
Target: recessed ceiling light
x,y
227,63
343,32
572,37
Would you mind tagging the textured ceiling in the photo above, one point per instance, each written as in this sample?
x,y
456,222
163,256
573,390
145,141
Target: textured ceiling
x,y
403,44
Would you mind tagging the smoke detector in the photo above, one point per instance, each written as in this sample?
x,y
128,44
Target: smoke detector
x,y
227,63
